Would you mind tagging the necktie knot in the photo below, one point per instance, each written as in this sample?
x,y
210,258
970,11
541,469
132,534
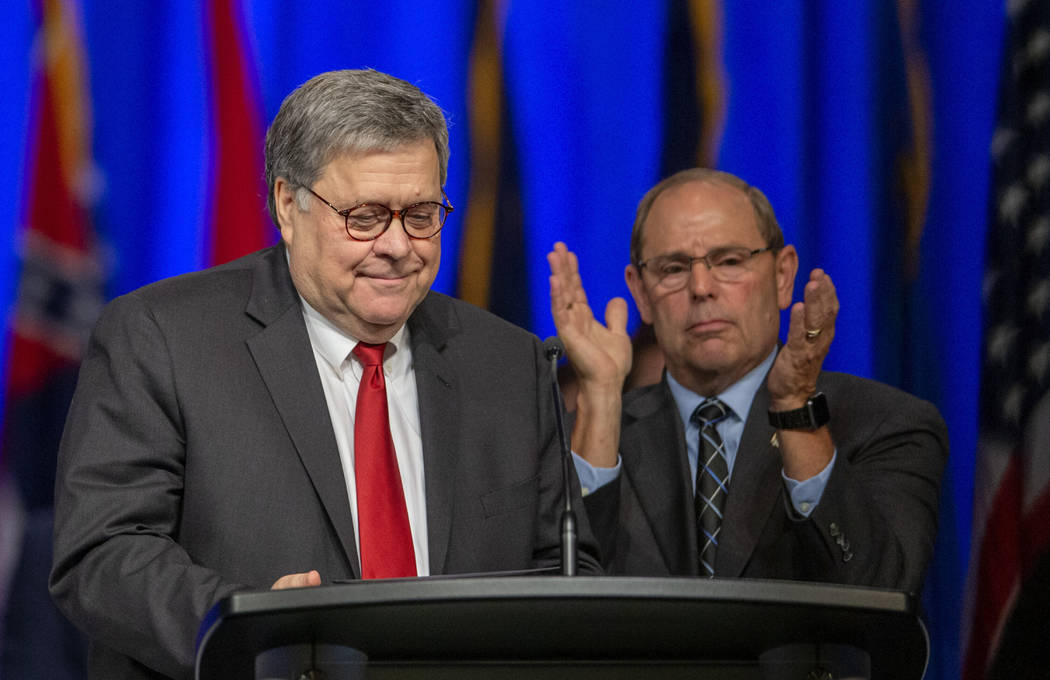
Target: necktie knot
x,y
710,412
369,354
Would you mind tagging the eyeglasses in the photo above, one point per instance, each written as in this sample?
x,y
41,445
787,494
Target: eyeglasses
x,y
368,221
725,264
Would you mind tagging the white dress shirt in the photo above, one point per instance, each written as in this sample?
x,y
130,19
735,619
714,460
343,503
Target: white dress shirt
x,y
340,373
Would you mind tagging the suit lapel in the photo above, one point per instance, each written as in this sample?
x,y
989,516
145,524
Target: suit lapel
x,y
654,460
285,360
754,490
430,326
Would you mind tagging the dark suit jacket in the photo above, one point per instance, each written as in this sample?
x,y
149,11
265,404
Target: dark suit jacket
x,y
874,525
198,458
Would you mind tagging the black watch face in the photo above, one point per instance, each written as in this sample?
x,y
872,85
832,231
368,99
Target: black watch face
x,y
818,407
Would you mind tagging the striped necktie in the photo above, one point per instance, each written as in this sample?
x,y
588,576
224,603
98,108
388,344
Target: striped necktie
x,y
712,482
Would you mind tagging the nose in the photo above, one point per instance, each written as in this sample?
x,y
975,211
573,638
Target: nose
x,y
701,282
394,242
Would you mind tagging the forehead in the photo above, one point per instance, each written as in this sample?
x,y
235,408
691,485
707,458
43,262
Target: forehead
x,y
410,163
702,214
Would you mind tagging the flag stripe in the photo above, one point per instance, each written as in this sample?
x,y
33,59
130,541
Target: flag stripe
x,y
996,575
706,23
485,95
63,51
1036,525
238,219
915,160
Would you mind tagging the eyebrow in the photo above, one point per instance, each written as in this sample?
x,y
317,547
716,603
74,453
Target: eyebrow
x,y
684,255
439,200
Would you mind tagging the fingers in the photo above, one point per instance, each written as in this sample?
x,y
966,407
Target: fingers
x,y
821,305
616,315
811,329
564,273
797,323
566,284
813,320
569,307
793,377
303,580
600,354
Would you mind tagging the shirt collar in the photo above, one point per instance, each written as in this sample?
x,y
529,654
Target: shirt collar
x,y
335,346
737,397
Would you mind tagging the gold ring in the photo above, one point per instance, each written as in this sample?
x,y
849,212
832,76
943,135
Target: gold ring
x,y
812,333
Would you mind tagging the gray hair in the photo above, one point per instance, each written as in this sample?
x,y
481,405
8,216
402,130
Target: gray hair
x,y
348,111
764,215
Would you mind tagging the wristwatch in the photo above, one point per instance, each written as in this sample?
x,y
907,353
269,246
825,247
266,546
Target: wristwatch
x,y
811,416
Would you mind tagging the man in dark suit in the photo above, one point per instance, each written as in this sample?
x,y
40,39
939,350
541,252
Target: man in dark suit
x,y
746,460
217,437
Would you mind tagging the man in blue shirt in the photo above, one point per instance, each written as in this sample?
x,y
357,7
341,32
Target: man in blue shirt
x,y
746,460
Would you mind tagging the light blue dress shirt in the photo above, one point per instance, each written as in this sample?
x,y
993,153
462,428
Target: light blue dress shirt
x,y
738,397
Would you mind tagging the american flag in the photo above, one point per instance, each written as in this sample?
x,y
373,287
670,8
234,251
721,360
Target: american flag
x,y
1008,615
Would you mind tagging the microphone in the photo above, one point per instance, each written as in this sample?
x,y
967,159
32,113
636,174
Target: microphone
x,y
554,349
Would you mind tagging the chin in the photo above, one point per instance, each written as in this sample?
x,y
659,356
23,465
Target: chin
x,y
708,360
712,347
385,320
393,313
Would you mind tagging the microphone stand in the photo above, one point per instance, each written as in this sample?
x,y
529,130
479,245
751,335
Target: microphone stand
x,y
554,350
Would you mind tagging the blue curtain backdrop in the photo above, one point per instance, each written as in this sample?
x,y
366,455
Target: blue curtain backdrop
x,y
818,110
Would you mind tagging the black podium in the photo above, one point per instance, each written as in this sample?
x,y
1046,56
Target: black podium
x,y
549,627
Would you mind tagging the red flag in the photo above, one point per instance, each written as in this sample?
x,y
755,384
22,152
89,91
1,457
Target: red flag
x,y
60,288
239,222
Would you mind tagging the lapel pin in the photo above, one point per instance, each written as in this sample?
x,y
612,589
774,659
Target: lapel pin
x,y
774,442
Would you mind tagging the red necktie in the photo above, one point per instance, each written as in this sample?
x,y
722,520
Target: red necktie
x,y
382,518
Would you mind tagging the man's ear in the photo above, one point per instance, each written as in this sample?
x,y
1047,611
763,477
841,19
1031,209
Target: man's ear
x,y
786,265
287,208
633,276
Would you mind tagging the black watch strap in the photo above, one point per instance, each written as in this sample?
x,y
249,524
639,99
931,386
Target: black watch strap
x,y
811,416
